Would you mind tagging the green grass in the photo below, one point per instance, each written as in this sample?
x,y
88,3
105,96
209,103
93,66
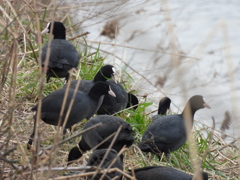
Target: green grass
x,y
137,118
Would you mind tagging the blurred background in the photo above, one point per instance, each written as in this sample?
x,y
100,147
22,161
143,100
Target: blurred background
x,y
175,48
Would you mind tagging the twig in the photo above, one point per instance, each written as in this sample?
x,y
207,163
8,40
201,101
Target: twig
x,y
126,109
150,50
114,160
103,141
74,136
109,148
81,168
80,35
229,160
144,158
92,173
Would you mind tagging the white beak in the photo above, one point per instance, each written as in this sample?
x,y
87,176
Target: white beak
x,y
46,30
114,77
110,92
206,106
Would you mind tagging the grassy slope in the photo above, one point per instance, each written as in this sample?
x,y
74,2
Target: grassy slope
x,y
20,90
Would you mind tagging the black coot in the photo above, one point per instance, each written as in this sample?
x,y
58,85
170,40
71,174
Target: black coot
x,y
110,124
112,105
106,72
63,54
84,106
96,158
164,105
132,101
167,134
162,172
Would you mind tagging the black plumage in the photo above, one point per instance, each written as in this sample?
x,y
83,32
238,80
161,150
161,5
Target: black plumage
x,y
109,105
168,133
96,158
164,173
110,125
132,101
84,106
112,105
106,72
63,55
164,105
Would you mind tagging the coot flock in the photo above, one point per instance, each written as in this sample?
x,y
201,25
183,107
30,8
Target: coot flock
x,y
105,96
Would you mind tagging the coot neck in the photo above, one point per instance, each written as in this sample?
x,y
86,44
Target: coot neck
x,y
94,94
162,110
189,109
61,35
99,77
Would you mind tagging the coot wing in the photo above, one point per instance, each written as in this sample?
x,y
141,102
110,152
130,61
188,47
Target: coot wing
x,y
167,129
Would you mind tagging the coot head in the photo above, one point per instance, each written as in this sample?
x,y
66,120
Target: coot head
x,y
195,103
106,72
132,101
96,159
59,30
74,154
101,88
164,105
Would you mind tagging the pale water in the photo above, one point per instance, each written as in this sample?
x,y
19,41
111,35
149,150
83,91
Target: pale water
x,y
206,31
